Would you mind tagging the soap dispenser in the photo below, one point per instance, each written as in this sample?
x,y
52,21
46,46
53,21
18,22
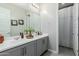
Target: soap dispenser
x,y
22,35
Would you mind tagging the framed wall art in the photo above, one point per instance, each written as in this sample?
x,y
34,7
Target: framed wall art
x,y
14,23
21,22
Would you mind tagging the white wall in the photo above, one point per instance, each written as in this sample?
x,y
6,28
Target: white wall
x,y
16,13
49,24
78,30
75,28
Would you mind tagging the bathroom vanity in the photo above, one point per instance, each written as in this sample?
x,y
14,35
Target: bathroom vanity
x,y
15,46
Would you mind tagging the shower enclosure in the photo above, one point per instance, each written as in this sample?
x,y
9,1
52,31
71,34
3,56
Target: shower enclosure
x,y
65,27
68,26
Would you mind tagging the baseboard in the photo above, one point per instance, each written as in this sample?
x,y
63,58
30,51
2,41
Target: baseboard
x,y
75,52
66,47
53,51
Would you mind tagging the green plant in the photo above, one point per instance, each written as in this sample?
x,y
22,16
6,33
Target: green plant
x,y
29,29
26,30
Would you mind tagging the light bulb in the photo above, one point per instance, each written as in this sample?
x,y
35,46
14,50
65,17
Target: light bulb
x,y
44,11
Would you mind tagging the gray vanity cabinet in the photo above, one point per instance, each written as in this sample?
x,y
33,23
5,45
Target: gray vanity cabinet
x,y
33,48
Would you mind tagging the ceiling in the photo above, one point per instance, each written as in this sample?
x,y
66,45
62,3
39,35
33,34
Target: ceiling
x,y
24,5
21,5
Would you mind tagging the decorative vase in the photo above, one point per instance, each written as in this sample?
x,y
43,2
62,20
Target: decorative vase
x,y
1,39
29,36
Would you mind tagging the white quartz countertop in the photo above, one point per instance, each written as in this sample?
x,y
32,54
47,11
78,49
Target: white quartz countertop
x,y
11,42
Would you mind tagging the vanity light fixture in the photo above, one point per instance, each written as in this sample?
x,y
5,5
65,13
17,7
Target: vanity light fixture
x,y
34,5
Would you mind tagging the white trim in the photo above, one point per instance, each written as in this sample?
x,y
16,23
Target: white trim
x,y
75,52
57,41
53,51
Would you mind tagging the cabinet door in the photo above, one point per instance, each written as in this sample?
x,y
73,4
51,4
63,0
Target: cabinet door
x,y
30,49
39,47
44,44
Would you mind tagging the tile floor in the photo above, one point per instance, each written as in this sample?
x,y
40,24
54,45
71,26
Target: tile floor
x,y
63,51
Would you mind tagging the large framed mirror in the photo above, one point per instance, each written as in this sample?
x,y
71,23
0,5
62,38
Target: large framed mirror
x,y
33,17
